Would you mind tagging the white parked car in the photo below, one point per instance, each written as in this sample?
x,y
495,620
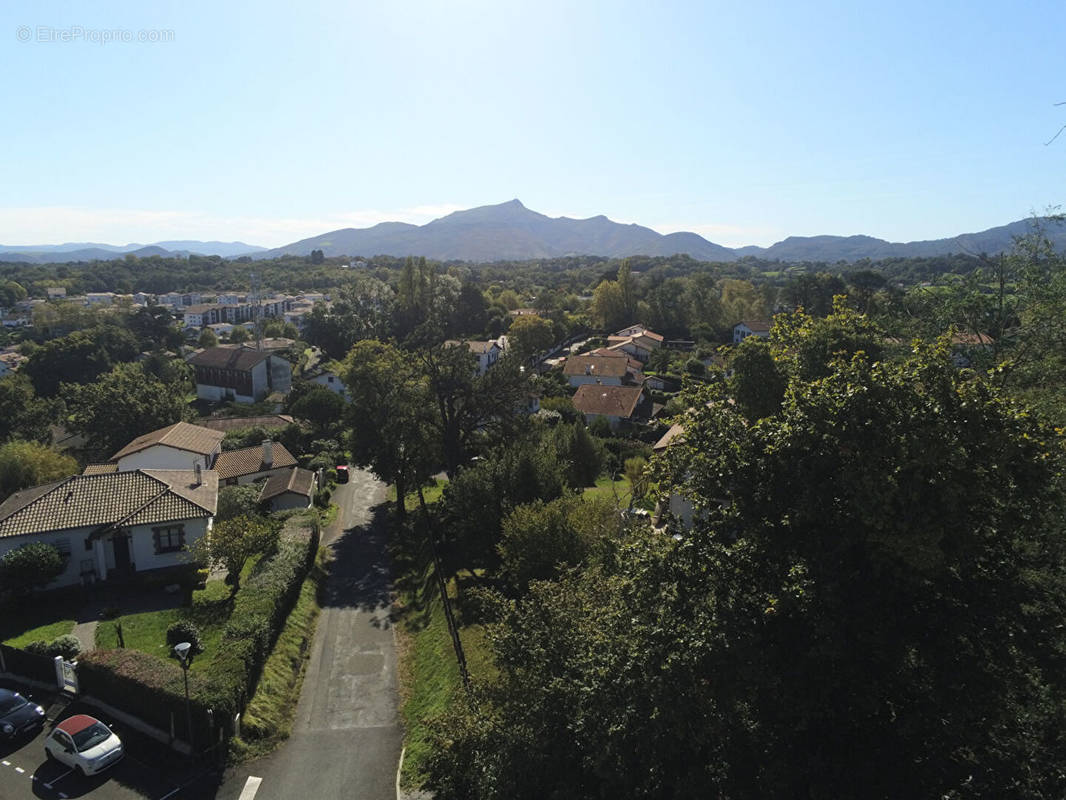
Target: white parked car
x,y
83,743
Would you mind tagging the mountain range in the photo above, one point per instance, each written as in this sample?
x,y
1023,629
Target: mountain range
x,y
93,251
511,232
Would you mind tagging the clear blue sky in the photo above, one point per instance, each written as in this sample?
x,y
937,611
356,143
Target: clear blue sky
x,y
743,121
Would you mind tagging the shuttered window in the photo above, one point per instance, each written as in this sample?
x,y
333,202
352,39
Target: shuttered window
x,y
169,539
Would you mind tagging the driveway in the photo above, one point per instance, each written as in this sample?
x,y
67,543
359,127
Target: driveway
x,y
346,737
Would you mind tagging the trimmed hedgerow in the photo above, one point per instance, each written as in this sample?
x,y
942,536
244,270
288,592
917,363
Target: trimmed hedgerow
x,y
260,608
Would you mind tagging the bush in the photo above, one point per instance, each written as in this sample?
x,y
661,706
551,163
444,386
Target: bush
x,y
33,564
38,648
66,646
184,631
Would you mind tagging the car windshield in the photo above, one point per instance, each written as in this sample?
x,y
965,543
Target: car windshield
x,y
9,702
91,736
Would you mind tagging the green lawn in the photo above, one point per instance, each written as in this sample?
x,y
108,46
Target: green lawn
x,y
431,491
147,631
616,491
42,619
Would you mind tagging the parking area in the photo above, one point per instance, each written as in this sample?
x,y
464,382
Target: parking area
x,y
148,769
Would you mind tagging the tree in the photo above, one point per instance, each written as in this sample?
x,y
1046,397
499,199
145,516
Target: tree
x,y
23,414
528,336
758,383
207,338
79,357
25,464
237,501
232,542
123,404
389,416
32,565
871,598
608,307
323,408
239,334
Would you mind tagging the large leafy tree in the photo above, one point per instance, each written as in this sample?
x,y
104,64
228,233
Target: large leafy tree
x,y
123,404
79,357
530,335
389,415
23,413
870,605
24,464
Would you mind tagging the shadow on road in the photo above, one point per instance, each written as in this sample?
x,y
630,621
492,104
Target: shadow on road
x,y
359,574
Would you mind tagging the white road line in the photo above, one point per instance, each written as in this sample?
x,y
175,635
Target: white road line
x,y
251,786
57,778
6,763
20,770
174,791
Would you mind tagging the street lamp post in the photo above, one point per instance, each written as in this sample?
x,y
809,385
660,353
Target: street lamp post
x,y
184,652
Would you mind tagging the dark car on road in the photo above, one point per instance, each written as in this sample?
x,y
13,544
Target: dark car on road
x,y
18,716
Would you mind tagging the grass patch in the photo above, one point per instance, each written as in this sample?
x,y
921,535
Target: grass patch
x,y
267,720
147,631
40,621
431,491
616,491
429,674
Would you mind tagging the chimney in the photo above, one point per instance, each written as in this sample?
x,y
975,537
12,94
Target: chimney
x,y
588,369
268,453
199,474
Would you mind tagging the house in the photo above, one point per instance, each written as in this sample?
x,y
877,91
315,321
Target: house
x,y
332,381
55,292
636,340
177,446
251,464
742,330
239,374
294,488
580,370
616,404
965,347
10,361
487,353
677,505
114,525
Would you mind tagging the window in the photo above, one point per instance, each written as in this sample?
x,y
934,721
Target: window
x,y
63,546
88,544
169,539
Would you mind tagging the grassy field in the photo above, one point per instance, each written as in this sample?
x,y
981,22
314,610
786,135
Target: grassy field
x,y
40,620
147,631
431,491
267,720
616,491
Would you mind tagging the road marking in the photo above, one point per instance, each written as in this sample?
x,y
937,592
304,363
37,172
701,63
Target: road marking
x,y
6,763
251,786
58,778
20,770
174,791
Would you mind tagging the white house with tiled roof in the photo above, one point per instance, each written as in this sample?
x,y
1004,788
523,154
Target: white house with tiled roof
x,y
487,353
113,525
178,446
742,330
253,464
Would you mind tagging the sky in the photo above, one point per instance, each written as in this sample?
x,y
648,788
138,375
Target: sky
x,y
745,122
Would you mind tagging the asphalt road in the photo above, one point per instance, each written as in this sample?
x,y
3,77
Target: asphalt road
x,y
346,737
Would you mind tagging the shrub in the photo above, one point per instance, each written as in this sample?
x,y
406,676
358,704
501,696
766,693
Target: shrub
x,y
34,564
38,648
184,631
66,646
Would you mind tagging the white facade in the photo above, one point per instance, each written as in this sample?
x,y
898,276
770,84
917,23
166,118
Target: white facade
x,y
333,383
161,456
741,332
93,559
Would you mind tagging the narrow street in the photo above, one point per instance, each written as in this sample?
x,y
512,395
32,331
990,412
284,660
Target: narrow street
x,y
346,737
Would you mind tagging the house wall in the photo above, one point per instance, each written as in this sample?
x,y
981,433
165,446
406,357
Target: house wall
x,y
612,421
163,457
333,383
280,375
70,541
142,544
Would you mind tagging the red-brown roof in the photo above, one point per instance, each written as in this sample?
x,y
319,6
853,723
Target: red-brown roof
x,y
249,460
597,366
608,401
180,436
239,358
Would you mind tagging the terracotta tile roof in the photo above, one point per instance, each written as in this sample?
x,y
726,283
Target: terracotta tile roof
x,y
969,339
249,460
596,366
180,436
610,401
122,498
299,481
239,423
668,438
756,325
100,469
239,358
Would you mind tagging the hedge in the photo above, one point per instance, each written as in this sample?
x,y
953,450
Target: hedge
x,y
152,689
260,609
29,665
